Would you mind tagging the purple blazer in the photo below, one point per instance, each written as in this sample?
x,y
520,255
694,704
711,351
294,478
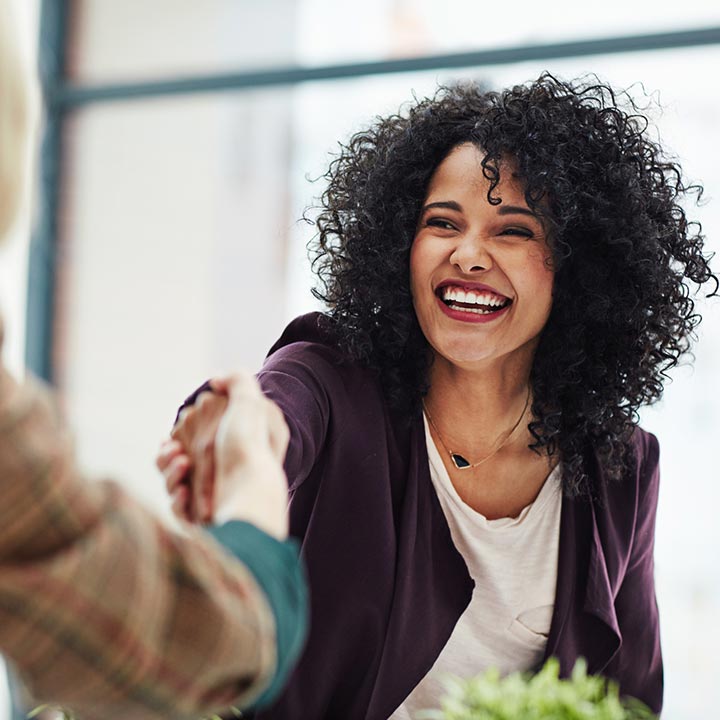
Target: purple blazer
x,y
387,584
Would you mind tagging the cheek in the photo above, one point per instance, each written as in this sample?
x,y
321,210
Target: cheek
x,y
419,265
538,279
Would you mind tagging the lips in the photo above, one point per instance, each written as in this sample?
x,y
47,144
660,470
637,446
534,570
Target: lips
x,y
475,299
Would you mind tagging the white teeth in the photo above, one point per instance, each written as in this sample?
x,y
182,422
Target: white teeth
x,y
452,294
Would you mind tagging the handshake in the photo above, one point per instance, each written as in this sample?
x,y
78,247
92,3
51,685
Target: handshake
x,y
224,458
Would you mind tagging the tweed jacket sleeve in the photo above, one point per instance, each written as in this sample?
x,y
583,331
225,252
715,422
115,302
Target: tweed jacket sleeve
x,y
103,609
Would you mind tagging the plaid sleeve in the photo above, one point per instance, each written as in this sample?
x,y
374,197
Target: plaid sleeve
x,y
103,609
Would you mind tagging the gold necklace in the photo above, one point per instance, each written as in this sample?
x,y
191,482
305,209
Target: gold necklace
x,y
459,460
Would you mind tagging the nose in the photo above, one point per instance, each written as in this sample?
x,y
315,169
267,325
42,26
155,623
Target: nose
x,y
471,255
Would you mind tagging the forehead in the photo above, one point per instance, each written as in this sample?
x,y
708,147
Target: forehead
x,y
461,174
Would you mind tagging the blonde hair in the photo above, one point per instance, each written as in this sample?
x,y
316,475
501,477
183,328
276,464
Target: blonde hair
x,y
16,116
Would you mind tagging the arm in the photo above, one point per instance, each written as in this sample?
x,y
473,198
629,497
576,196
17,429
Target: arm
x,y
301,387
291,380
638,666
106,611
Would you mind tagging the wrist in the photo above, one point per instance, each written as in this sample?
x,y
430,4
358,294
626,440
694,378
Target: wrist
x,y
262,503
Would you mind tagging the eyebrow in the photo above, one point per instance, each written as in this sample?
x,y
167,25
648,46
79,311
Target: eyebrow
x,y
515,210
446,204
502,209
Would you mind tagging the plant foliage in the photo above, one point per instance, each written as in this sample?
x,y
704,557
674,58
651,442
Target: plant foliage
x,y
544,696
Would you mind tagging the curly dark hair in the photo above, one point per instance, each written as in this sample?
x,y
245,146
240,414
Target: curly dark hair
x,y
623,253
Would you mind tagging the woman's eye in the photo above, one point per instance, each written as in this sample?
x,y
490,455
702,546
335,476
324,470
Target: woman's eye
x,y
440,223
517,232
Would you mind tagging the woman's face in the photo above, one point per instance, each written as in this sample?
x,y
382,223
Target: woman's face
x,y
480,274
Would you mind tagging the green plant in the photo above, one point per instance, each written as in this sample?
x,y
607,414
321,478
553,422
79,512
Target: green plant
x,y
543,696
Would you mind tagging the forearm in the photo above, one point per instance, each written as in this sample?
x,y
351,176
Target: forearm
x,y
276,567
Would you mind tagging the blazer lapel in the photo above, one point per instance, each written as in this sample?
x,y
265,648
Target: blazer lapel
x,y
584,622
432,589
600,604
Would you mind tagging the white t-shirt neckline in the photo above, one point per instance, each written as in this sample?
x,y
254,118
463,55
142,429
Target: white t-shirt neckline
x,y
544,497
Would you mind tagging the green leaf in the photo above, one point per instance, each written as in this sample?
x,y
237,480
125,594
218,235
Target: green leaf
x,y
543,696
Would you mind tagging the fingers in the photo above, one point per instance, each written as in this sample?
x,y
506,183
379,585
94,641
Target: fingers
x,y
176,472
179,500
195,431
169,450
175,466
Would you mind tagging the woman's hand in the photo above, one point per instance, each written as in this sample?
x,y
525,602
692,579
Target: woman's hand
x,y
224,460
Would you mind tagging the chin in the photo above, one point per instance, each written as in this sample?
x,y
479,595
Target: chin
x,y
464,351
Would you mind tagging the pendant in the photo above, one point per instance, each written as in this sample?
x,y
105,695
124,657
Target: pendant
x,y
459,461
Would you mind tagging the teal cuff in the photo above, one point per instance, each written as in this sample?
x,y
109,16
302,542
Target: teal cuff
x,y
279,572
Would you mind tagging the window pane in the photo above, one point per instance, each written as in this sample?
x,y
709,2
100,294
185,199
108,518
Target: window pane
x,y
338,31
172,264
134,40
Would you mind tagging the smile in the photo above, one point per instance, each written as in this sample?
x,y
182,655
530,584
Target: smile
x,y
474,303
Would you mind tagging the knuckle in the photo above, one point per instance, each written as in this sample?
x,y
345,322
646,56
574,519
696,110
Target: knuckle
x,y
203,400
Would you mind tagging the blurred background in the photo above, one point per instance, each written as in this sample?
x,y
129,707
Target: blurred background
x,y
180,145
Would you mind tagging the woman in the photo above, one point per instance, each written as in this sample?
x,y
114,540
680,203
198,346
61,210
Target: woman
x,y
506,282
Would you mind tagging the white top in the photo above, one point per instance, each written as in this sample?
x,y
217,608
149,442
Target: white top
x,y
513,562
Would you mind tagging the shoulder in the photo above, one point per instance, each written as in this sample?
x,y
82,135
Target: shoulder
x,y
306,351
625,511
307,340
645,446
637,493
646,450
318,388
326,398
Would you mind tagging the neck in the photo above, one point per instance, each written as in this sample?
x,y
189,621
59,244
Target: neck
x,y
471,408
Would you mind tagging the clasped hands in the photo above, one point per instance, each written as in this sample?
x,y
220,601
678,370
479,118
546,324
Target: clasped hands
x,y
224,458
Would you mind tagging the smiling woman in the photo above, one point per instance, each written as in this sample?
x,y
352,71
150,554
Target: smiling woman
x,y
481,279
517,265
479,263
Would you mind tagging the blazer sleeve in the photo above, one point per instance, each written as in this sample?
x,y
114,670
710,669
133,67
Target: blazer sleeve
x,y
639,662
105,610
301,381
